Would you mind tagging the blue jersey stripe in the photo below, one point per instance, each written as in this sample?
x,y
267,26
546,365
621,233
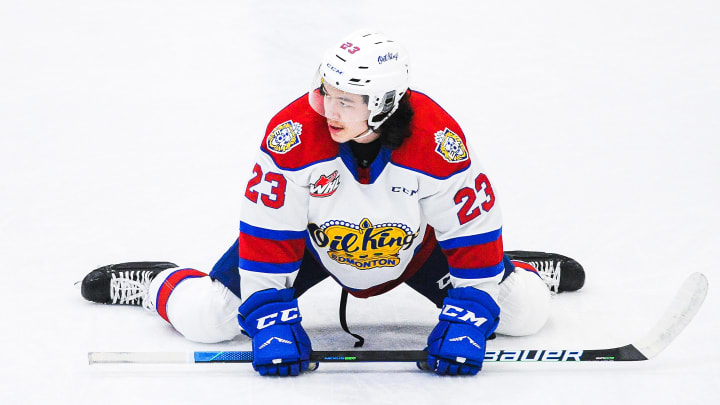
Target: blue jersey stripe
x,y
482,272
428,174
270,233
472,240
263,267
295,169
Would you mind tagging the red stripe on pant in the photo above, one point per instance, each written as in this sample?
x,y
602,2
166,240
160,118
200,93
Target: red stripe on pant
x,y
524,265
169,285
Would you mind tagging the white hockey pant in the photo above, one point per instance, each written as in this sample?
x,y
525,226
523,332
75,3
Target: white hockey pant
x,y
205,311
201,309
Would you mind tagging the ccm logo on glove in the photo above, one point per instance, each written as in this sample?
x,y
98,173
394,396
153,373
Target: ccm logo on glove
x,y
269,320
456,312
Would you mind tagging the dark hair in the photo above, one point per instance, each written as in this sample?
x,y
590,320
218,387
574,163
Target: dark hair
x,y
394,131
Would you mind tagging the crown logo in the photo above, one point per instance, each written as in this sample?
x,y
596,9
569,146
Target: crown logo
x,y
450,146
364,245
284,137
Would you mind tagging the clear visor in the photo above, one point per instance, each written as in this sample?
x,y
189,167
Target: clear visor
x,y
335,104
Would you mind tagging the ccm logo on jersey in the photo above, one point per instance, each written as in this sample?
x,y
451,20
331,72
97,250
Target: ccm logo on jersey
x,y
284,137
326,185
450,146
398,189
462,314
285,316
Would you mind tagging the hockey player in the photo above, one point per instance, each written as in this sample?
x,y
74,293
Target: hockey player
x,y
371,183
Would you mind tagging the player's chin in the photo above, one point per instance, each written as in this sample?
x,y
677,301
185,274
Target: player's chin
x,y
340,136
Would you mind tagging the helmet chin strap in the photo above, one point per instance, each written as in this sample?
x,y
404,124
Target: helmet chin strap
x,y
363,135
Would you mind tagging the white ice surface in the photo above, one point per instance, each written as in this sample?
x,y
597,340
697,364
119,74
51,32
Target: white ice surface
x,y
127,130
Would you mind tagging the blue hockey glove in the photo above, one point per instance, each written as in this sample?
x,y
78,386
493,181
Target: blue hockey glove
x,y
457,344
279,343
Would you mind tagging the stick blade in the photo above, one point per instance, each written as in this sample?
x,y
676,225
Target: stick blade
x,y
683,308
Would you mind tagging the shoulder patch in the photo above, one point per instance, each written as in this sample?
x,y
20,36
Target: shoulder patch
x,y
284,137
437,146
450,146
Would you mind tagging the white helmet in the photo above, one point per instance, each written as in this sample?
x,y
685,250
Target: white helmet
x,y
365,63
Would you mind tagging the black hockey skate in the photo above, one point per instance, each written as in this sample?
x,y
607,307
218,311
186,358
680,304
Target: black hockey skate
x,y
560,273
123,283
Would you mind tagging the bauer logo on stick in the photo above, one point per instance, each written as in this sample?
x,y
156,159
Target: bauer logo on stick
x,y
284,137
450,146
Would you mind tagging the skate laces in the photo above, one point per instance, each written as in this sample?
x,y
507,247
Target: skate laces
x,y
549,270
130,287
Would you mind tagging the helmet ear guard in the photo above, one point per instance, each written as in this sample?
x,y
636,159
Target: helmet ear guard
x,y
387,106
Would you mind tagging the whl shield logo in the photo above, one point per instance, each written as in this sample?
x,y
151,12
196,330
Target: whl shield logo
x,y
325,186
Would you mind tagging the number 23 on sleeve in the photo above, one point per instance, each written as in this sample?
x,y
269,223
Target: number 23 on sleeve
x,y
276,197
467,196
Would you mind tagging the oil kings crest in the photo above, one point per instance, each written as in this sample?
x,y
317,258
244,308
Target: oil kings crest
x,y
364,245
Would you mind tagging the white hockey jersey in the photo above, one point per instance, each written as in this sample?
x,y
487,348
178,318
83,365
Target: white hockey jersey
x,y
371,229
